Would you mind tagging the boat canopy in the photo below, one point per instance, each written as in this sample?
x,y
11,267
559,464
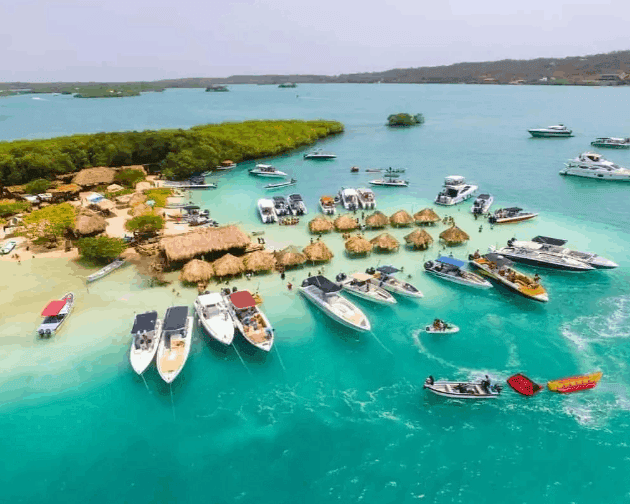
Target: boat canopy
x,y
243,299
361,277
513,209
454,180
295,197
327,199
322,283
175,318
549,241
53,308
483,196
145,322
499,259
451,260
191,207
211,298
387,270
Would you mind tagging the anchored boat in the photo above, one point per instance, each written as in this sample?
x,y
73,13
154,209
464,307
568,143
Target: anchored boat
x,y
510,215
214,316
297,205
366,197
482,204
383,277
174,346
455,191
535,254
251,322
319,154
556,246
146,334
450,269
612,142
327,204
557,131
359,284
267,211
55,314
280,185
593,165
266,170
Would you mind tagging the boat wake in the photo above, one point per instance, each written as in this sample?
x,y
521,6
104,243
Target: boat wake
x,y
38,98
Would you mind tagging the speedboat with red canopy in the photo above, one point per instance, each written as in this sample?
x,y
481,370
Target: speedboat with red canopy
x,y
252,323
55,314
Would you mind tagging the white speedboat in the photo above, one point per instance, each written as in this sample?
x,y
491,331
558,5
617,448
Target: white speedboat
x,y
112,266
319,154
349,199
266,211
215,317
280,185
455,191
324,294
557,131
593,165
266,170
536,254
281,206
463,390
441,327
8,247
482,204
251,322
450,269
360,285
612,142
145,339
390,182
297,205
383,277
327,204
366,197
174,347
510,216
55,314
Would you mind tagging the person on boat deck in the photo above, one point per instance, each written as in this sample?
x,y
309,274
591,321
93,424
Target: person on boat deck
x,y
438,324
536,278
476,255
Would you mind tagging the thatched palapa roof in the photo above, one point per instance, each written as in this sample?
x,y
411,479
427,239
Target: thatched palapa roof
x,y
196,271
454,236
401,219
228,265
66,189
114,188
358,245
320,225
385,242
204,241
260,260
346,223
318,252
137,198
89,177
426,216
377,220
139,209
290,256
89,224
419,239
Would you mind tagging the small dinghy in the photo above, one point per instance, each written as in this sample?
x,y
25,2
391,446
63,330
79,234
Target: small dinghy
x,y
463,390
575,383
441,327
523,385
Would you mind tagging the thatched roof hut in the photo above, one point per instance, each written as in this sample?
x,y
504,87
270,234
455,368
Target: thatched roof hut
x,y
90,177
204,241
454,236
419,239
228,265
377,220
358,245
346,223
426,216
137,198
114,188
290,256
401,219
260,260
106,206
385,242
318,252
196,271
89,224
139,210
320,225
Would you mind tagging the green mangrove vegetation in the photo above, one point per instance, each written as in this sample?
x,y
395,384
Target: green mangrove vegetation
x,y
146,223
10,207
403,119
50,223
101,248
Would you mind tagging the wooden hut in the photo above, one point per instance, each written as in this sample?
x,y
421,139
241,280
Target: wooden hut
x,y
318,252
89,225
260,260
401,219
228,265
346,223
320,225
419,239
385,243
454,236
357,245
378,220
290,257
426,217
207,241
90,177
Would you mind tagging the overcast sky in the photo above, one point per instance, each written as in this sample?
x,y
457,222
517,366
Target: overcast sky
x,y
121,40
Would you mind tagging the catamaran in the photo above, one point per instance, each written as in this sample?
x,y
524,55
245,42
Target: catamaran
x,y
360,285
383,277
252,323
145,339
174,346
214,316
55,314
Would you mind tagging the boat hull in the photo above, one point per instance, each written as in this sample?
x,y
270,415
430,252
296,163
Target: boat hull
x,y
141,360
595,174
385,298
482,284
170,376
219,328
550,134
512,220
331,314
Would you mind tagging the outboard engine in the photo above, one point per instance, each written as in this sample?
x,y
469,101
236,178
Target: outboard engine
x,y
340,277
370,271
304,283
428,265
225,291
41,333
511,242
48,333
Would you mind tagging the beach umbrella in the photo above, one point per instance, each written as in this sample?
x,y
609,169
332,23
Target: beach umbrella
x,y
419,239
358,245
426,216
401,219
260,260
346,223
377,220
89,224
454,236
320,225
228,265
290,256
385,242
196,271
318,252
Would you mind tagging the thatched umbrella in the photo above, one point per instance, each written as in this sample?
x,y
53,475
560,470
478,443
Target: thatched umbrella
x,y
454,236
377,220
139,209
228,265
320,225
401,219
89,224
419,239
346,223
385,242
426,216
259,260
358,245
196,271
318,252
136,199
290,256
90,177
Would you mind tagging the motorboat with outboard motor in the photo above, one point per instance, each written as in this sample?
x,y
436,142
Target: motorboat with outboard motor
x,y
319,154
266,211
611,142
463,390
390,182
593,165
556,246
324,294
297,205
536,254
251,322
112,266
266,170
327,204
440,327
349,199
55,314
281,206
174,347
366,197
449,268
359,284
455,191
482,204
146,334
383,277
499,268
510,215
280,185
215,317
557,131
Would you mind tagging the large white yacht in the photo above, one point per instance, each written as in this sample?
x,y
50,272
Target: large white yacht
x,y
349,199
593,165
266,170
612,142
324,294
267,211
455,191
557,131
367,200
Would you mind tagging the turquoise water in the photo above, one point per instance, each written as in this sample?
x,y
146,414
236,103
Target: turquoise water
x,y
329,415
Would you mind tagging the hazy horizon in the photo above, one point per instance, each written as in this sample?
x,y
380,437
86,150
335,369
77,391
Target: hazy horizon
x,y
94,40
